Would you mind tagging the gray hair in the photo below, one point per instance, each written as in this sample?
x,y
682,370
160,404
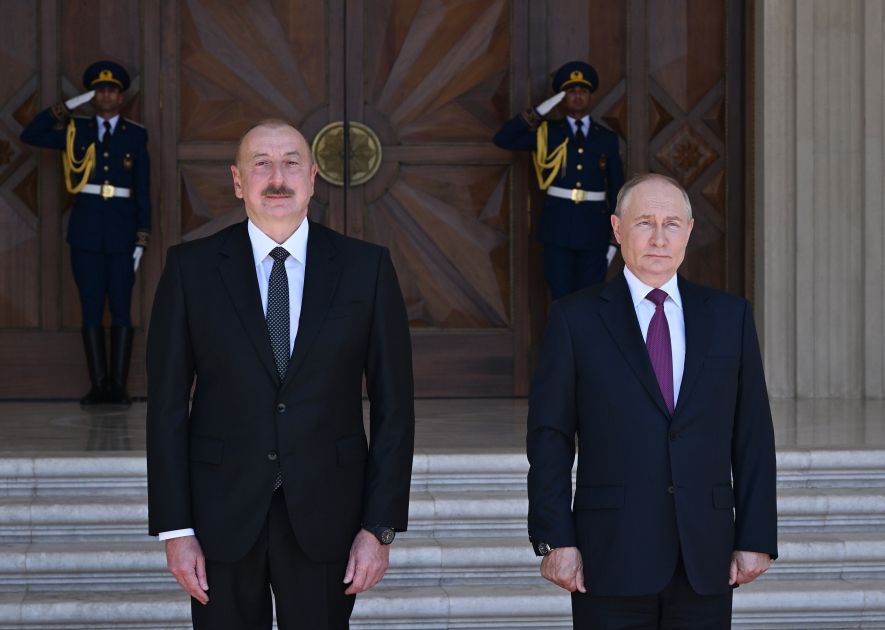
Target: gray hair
x,y
636,180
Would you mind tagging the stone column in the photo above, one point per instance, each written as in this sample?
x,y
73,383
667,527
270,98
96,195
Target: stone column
x,y
819,196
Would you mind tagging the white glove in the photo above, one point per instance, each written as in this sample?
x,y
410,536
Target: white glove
x,y
136,256
74,103
544,108
610,254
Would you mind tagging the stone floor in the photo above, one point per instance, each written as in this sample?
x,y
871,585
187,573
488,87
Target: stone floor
x,y
461,425
75,555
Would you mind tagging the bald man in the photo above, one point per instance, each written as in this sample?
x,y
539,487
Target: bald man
x,y
263,482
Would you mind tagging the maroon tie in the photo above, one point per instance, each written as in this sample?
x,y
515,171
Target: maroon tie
x,y
659,350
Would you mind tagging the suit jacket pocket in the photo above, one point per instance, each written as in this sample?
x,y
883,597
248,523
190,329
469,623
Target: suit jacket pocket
x,y
337,311
206,450
599,497
352,450
723,497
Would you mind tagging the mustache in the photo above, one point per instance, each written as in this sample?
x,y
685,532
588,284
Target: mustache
x,y
277,190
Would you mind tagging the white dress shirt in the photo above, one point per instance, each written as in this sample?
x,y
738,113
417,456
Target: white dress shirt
x,y
101,122
645,309
574,125
262,245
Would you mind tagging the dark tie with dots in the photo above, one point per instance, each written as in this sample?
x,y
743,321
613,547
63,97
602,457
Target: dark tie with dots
x,y
657,340
278,310
278,319
579,132
106,139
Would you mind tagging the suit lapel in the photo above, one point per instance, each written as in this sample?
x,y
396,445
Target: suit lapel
x,y
619,316
698,333
320,281
237,269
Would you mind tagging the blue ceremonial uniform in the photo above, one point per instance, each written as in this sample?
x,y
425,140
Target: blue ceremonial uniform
x,y
102,232
108,170
575,224
575,235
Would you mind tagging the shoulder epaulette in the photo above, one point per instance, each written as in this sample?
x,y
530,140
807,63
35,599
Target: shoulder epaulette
x,y
132,122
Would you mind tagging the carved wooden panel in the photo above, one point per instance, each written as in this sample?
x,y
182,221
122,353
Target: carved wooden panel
x,y
447,227
436,89
437,71
687,76
434,79
19,214
244,61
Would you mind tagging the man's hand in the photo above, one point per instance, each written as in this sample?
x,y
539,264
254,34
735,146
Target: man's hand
x,y
186,562
564,567
74,103
746,566
544,108
367,563
136,257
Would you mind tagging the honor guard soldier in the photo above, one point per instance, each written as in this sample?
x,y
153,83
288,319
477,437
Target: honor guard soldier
x,y
578,165
106,169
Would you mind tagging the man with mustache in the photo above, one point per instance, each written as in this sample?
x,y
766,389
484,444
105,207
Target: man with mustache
x,y
264,484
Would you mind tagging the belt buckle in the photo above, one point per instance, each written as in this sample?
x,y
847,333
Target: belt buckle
x,y
578,195
107,191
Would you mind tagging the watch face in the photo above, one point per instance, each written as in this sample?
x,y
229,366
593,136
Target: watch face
x,y
543,548
387,536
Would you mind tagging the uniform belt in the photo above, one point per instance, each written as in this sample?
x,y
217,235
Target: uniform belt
x,y
106,190
576,194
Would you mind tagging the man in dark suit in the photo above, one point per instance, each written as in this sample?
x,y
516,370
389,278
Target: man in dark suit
x,y
107,169
579,167
662,382
264,482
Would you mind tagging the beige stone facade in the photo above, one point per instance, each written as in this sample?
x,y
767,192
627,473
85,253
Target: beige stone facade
x,y
820,191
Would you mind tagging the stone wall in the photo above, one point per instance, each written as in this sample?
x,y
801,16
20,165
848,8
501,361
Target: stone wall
x,y
820,189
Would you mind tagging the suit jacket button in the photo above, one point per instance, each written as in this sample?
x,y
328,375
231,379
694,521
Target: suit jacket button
x,y
673,435
272,455
281,408
671,490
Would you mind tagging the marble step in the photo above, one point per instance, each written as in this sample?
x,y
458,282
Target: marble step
x,y
431,472
772,604
51,518
414,561
440,514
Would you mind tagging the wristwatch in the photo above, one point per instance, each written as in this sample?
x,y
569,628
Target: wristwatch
x,y
385,535
544,548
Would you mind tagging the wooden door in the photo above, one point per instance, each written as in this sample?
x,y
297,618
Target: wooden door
x,y
434,79
673,87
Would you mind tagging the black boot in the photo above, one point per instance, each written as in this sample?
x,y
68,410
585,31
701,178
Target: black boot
x,y
93,344
121,351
